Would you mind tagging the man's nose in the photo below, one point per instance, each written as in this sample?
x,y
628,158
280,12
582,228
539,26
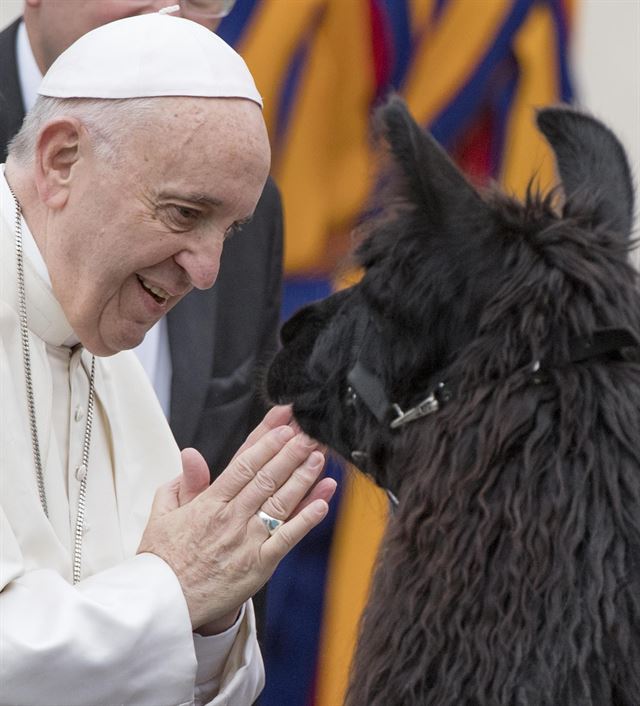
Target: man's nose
x,y
201,265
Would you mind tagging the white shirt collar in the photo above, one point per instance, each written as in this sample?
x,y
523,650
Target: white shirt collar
x,y
29,245
46,317
28,71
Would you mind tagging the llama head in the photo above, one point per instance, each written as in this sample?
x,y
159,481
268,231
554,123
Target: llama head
x,y
459,288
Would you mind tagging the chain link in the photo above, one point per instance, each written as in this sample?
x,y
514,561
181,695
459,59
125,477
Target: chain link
x,y
82,493
26,356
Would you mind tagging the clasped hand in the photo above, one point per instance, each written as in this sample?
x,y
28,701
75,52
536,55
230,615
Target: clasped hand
x,y
211,536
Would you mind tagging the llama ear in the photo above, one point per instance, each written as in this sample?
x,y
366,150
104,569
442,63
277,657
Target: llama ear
x,y
591,161
432,180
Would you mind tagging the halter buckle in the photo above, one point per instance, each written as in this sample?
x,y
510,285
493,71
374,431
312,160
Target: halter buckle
x,y
429,405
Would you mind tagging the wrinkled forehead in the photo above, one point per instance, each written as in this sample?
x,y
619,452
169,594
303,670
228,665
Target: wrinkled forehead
x,y
236,118
199,132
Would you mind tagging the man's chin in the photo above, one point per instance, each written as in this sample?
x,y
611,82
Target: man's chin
x,y
110,343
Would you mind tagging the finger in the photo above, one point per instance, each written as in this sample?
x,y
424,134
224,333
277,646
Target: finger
x,y
324,489
195,475
277,416
293,457
282,541
285,499
243,469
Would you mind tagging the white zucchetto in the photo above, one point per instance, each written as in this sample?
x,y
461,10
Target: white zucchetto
x,y
149,55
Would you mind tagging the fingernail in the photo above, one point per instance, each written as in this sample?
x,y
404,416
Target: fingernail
x,y
321,508
285,433
315,459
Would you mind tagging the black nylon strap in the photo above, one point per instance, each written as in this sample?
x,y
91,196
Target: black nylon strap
x,y
370,390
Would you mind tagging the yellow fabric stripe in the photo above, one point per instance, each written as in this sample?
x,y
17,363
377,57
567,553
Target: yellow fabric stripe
x,y
526,151
268,45
449,52
359,529
324,166
420,11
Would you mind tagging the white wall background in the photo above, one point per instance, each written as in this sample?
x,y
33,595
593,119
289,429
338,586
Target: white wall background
x,y
605,59
606,67
8,10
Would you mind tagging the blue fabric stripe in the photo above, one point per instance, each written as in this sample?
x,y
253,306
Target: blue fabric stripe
x,y
234,24
439,8
296,592
396,13
502,104
299,291
295,603
289,89
462,109
562,33
292,79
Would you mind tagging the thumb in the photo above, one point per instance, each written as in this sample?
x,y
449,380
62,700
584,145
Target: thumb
x,y
195,476
166,498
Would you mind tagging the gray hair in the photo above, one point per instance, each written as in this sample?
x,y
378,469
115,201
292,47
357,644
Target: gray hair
x,y
107,121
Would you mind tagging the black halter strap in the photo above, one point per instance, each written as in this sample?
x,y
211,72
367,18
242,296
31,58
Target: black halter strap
x,y
365,385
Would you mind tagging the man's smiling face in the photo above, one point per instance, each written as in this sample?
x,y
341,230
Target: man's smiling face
x,y
135,234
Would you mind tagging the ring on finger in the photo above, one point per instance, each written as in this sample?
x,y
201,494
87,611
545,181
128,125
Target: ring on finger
x,y
272,524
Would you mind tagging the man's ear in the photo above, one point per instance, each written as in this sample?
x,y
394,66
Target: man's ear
x,y
58,151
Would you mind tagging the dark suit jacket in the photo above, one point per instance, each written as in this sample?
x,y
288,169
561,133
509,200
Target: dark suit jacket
x,y
219,338
11,104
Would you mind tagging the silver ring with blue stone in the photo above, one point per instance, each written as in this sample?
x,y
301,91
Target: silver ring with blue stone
x,y
271,523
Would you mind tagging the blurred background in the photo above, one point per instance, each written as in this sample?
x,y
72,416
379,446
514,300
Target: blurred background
x,y
473,72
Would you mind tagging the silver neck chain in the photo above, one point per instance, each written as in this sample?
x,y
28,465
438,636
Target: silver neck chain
x,y
81,470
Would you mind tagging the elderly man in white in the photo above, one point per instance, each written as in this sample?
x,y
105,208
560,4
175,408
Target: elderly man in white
x,y
146,146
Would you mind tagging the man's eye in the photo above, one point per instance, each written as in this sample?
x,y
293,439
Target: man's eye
x,y
183,215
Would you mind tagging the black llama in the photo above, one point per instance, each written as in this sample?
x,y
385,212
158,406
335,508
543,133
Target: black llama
x,y
485,372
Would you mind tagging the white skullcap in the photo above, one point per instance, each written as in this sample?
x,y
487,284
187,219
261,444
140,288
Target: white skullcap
x,y
149,55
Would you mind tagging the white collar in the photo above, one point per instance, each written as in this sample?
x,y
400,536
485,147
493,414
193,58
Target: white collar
x,y
28,71
31,249
46,317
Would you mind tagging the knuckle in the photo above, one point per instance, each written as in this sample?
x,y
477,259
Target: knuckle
x,y
265,482
274,506
244,469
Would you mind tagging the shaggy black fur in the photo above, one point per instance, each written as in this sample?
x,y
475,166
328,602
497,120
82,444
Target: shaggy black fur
x,y
510,574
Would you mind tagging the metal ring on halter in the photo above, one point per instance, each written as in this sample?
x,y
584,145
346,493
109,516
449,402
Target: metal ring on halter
x,y
271,523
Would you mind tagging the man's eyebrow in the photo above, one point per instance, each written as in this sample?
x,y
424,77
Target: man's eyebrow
x,y
198,197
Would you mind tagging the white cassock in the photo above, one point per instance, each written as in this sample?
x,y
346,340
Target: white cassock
x,y
122,635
